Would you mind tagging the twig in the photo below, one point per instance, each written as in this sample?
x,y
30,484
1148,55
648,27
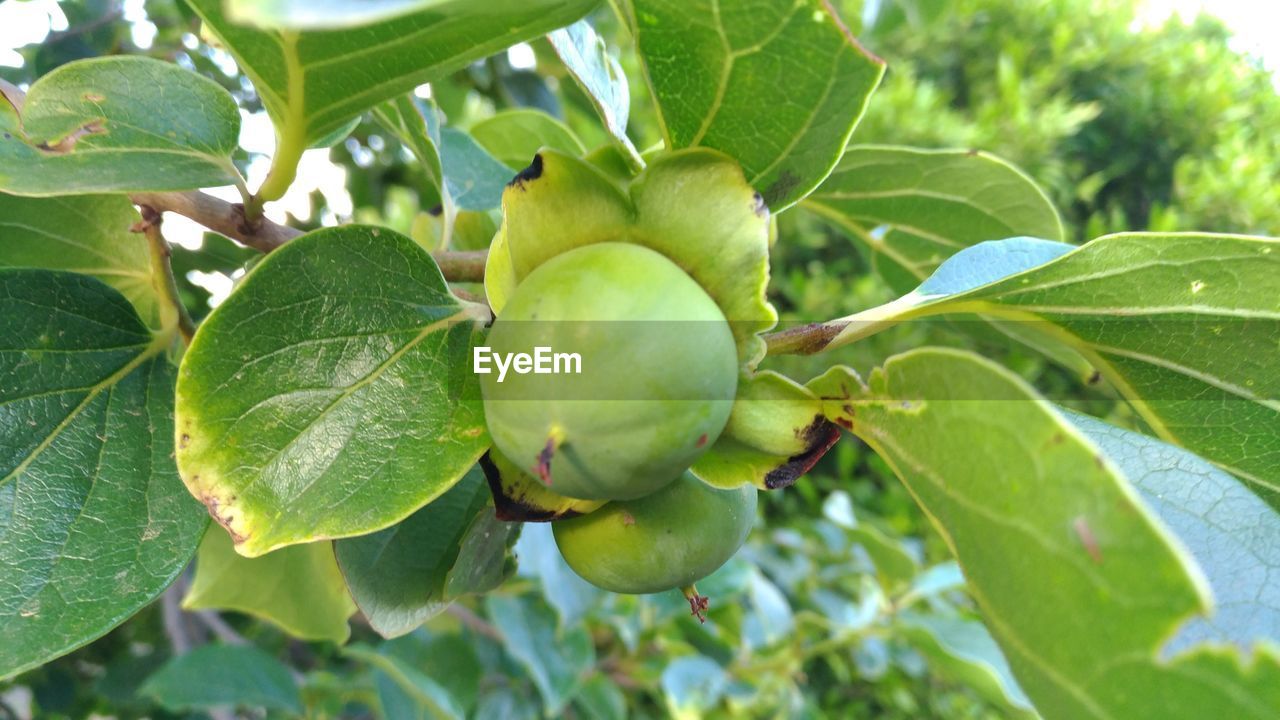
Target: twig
x,y
461,265
221,217
474,622
175,627
264,235
219,627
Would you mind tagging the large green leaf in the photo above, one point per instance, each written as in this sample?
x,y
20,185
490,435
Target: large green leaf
x,y
314,82
397,576
557,660
1184,325
1230,531
911,209
297,588
331,395
587,59
514,136
778,85
86,234
321,14
93,522
1077,579
118,124
224,676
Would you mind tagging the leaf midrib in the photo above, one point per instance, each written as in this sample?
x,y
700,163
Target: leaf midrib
x,y
155,347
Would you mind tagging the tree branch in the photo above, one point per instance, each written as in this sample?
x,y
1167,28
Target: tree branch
x,y
264,235
221,217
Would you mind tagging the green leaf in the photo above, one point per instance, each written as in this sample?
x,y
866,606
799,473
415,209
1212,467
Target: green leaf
x,y
601,699
405,692
485,560
778,85
911,209
587,59
693,685
557,662
298,588
224,676
514,136
1184,326
86,234
1229,530
474,178
118,124
331,395
894,565
416,122
93,522
964,650
450,659
314,82
321,14
397,575
1079,582
568,594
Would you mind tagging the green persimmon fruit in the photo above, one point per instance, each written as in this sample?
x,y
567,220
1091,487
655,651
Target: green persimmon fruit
x,y
655,381
670,539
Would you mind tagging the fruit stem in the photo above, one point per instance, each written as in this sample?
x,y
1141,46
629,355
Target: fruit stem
x,y
698,604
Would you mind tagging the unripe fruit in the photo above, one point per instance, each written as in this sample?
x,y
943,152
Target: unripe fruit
x,y
658,373
670,539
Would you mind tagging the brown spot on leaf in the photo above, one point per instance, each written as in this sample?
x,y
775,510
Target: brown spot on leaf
x,y
628,519
819,436
702,440
94,97
68,142
786,182
1094,378
1085,533
221,516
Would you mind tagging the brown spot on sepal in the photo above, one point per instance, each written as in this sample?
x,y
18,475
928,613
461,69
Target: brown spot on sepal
x,y
513,509
529,174
819,437
543,468
759,207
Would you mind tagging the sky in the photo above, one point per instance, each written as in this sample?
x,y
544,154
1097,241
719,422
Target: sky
x,y
1254,23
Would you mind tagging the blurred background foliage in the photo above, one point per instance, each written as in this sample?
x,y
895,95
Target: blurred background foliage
x,y
845,602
